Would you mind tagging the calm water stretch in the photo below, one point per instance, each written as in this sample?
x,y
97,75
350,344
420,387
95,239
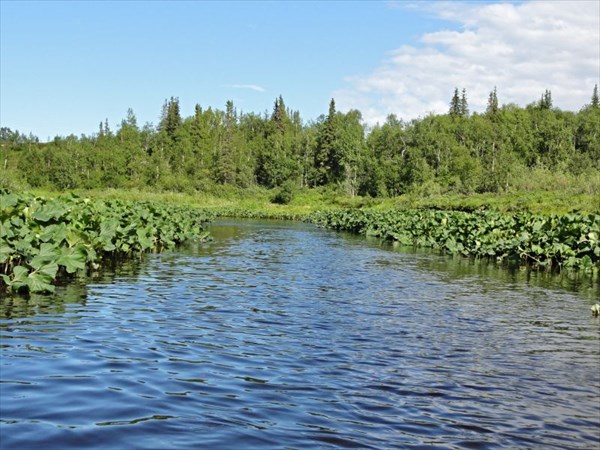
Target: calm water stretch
x,y
283,335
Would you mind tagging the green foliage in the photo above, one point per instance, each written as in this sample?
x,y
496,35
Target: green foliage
x,y
506,149
327,158
493,105
170,120
546,100
284,194
595,102
552,242
44,239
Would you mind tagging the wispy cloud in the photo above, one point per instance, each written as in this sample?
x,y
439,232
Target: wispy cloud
x,y
522,49
252,87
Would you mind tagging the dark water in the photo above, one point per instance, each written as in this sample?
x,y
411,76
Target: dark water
x,y
281,335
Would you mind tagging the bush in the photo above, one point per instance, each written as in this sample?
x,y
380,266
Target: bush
x,y
284,195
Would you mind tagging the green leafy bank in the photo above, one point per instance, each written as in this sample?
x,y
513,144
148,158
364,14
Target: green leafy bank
x,y
43,240
549,242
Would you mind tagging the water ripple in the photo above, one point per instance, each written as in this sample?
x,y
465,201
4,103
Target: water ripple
x,y
286,336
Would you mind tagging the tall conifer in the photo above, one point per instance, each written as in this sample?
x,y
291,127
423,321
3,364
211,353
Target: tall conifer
x,y
464,106
492,106
595,101
455,104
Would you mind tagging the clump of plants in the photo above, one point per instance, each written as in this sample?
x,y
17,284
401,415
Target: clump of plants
x,y
549,242
284,195
42,240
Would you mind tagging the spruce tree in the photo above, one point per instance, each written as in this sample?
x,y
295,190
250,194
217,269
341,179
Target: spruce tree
x,y
455,104
170,120
492,106
280,116
595,101
226,157
131,119
464,107
546,100
327,162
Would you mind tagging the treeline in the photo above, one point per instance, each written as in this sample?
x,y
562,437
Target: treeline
x,y
505,148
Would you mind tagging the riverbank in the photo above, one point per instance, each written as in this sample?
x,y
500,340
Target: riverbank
x,y
262,202
549,242
44,237
543,230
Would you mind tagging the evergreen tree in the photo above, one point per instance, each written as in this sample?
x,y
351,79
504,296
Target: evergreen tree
x,y
455,108
106,128
130,147
276,163
327,161
463,107
226,155
595,101
546,100
280,117
492,105
131,119
170,120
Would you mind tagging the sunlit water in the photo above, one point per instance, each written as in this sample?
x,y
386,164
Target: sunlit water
x,y
282,335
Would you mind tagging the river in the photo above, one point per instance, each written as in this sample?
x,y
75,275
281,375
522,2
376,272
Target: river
x,y
284,335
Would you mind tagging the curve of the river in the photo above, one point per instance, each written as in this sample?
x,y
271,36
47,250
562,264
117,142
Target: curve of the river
x,y
282,335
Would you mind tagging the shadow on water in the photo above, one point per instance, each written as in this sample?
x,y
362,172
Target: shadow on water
x,y
72,291
456,267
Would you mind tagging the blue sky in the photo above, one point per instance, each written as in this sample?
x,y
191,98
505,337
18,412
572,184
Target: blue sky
x,y
65,66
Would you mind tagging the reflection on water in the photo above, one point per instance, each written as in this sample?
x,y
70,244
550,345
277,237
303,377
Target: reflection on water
x,y
69,291
455,266
287,336
14,307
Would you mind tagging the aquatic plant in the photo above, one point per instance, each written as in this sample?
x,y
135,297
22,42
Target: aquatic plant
x,y
550,242
43,239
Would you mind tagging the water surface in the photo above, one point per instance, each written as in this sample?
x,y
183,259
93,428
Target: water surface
x,y
283,335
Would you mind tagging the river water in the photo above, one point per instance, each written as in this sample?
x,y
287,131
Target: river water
x,y
284,335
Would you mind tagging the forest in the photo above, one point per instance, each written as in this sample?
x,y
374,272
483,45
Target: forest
x,y
507,148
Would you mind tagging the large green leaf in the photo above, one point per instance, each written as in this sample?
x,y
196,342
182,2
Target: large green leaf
x,y
73,259
6,230
5,252
108,228
55,233
8,201
145,239
18,278
48,253
49,270
49,211
41,280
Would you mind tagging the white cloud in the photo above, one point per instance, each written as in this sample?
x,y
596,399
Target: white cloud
x,y
522,49
252,87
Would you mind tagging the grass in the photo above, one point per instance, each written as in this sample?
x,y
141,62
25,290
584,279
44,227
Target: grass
x,y
306,201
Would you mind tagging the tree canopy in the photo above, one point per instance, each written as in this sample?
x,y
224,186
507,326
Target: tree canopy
x,y
498,150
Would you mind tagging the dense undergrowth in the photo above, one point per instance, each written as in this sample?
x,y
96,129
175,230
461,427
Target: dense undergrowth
x,y
45,240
